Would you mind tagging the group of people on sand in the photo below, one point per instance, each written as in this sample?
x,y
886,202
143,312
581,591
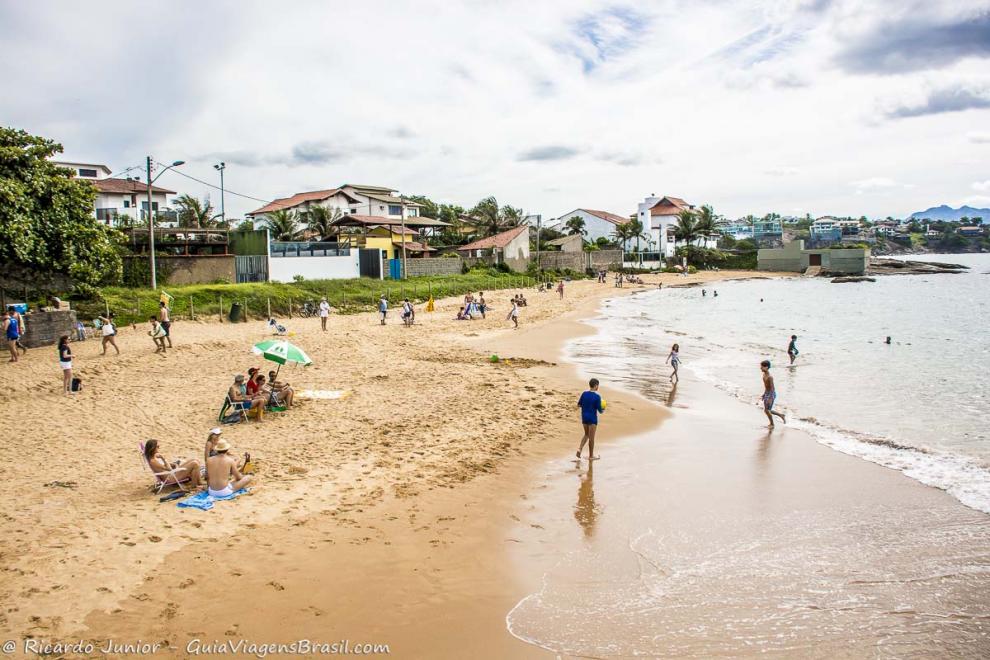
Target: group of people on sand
x,y
223,474
252,394
472,307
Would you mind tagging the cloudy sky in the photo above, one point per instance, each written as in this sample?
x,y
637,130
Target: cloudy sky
x,y
793,106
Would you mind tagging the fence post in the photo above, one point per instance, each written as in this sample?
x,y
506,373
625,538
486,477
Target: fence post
x,y
290,307
221,309
192,313
245,311
269,307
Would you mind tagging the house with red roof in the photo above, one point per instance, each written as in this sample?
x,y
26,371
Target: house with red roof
x,y
658,215
117,197
348,199
510,247
597,224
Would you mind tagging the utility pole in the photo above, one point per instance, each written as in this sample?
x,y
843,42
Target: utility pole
x,y
402,210
151,229
220,168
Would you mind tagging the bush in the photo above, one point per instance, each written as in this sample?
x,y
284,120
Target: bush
x,y
298,278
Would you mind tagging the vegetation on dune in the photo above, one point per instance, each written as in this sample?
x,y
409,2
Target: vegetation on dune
x,y
347,296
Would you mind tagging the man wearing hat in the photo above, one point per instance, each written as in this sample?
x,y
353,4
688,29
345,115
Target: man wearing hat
x,y
240,400
223,478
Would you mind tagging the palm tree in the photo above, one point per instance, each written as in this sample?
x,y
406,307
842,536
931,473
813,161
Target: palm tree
x,y
575,225
492,219
621,234
194,214
282,225
687,227
320,219
634,228
707,223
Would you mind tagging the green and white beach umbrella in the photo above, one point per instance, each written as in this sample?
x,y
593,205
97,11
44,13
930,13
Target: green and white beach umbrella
x,y
281,351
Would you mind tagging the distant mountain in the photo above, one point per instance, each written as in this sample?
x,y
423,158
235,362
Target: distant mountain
x,y
946,212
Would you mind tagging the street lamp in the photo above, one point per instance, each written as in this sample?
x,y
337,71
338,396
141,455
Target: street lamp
x,y
151,217
220,168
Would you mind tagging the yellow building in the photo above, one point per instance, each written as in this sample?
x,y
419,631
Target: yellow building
x,y
389,239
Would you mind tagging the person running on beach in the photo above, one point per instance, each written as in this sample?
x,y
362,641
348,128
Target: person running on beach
x,y
324,313
109,332
674,359
157,333
383,308
792,350
514,313
769,394
65,362
591,404
165,320
12,332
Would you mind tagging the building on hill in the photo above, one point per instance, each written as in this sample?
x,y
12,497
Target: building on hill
x,y
597,224
348,199
121,201
509,247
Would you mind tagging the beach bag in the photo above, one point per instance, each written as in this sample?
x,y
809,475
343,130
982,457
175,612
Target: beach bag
x,y
232,418
76,385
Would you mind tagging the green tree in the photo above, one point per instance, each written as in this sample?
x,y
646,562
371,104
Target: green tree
x,y
707,223
687,227
49,236
283,225
246,225
195,214
320,219
428,208
493,219
575,225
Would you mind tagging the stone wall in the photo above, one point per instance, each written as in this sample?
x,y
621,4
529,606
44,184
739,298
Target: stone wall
x,y
579,261
430,266
44,328
200,269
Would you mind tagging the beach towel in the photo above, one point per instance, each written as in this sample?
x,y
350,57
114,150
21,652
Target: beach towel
x,y
324,394
204,501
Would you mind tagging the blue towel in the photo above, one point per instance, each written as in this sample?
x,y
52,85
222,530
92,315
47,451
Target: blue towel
x,y
204,501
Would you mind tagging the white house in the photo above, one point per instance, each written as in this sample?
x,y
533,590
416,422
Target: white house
x,y
658,216
597,224
349,199
511,247
116,197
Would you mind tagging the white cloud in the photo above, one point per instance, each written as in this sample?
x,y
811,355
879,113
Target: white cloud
x,y
577,103
982,186
978,201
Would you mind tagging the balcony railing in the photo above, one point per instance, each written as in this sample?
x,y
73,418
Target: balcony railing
x,y
309,249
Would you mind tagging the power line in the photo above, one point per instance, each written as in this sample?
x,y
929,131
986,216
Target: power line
x,y
229,192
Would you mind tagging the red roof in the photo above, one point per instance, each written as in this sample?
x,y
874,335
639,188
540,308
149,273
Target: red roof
x,y
608,217
125,186
670,206
413,246
496,241
296,200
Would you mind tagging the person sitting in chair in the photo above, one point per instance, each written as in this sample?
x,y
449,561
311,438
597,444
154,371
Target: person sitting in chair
x,y
283,393
223,477
240,399
180,470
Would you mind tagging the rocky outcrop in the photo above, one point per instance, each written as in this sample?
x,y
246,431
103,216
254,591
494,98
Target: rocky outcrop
x,y
880,266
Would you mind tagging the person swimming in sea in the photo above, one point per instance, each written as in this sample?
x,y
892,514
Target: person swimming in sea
x,y
769,394
792,350
674,359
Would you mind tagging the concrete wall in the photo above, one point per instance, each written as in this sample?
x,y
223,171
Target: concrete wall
x,y
433,266
853,260
794,258
283,269
44,328
580,261
201,269
786,259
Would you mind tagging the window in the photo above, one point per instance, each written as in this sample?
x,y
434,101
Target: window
x,y
394,209
413,212
89,174
144,205
127,203
353,211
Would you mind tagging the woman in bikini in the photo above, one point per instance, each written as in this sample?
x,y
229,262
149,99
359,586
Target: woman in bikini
x,y
180,470
674,360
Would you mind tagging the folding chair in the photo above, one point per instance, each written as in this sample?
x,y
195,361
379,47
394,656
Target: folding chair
x,y
161,478
240,406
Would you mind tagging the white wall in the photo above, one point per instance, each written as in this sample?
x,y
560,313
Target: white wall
x,y
595,226
282,269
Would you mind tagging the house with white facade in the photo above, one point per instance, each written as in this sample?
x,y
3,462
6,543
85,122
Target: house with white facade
x,y
597,224
121,201
349,199
658,216
510,247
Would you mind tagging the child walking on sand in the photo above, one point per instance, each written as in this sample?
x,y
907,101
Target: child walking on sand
x,y
792,350
674,359
769,394
514,313
591,404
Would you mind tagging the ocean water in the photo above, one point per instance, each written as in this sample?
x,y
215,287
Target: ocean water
x,y
920,405
688,541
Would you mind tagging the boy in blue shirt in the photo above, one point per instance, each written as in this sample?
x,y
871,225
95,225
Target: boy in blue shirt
x,y
590,404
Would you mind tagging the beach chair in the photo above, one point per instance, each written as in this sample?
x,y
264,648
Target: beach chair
x,y
161,478
237,407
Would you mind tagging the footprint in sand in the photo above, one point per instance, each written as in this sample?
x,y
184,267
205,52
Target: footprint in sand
x,y
276,586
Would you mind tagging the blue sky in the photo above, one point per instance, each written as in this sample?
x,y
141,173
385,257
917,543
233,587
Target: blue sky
x,y
793,106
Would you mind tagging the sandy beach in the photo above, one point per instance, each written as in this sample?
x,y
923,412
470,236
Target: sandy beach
x,y
432,501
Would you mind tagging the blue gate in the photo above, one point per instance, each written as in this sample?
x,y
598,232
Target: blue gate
x,y
395,269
